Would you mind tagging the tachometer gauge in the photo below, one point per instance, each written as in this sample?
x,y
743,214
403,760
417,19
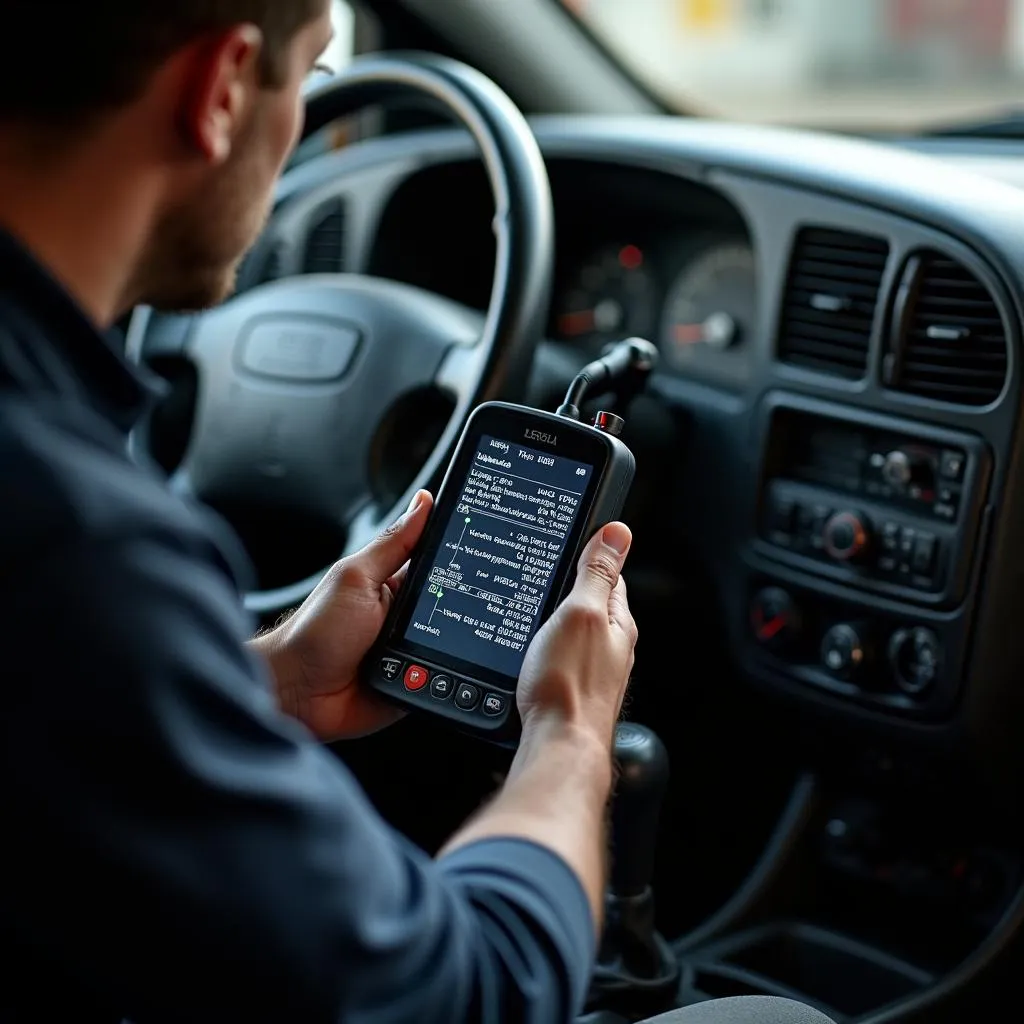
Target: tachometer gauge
x,y
710,314
611,297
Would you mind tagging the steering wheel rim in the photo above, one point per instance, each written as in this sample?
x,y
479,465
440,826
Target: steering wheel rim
x,y
496,365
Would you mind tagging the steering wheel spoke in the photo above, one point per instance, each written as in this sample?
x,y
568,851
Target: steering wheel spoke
x,y
299,381
460,370
153,336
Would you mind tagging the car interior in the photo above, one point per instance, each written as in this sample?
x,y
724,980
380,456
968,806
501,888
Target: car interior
x,y
828,696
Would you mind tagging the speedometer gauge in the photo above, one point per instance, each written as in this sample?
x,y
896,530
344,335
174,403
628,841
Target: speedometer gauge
x,y
611,297
710,314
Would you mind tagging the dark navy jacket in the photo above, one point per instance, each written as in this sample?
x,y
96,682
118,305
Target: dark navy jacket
x,y
174,848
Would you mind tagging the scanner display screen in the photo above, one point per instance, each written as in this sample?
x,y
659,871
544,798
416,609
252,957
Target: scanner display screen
x,y
492,571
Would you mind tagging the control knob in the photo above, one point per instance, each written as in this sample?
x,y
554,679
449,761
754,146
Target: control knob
x,y
902,469
843,651
915,656
846,536
775,619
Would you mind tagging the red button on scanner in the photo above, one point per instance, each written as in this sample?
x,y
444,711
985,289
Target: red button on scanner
x,y
416,677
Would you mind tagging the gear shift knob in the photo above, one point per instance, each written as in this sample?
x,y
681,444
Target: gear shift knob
x,y
643,777
636,973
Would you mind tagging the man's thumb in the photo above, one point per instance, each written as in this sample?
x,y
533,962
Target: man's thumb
x,y
602,561
390,550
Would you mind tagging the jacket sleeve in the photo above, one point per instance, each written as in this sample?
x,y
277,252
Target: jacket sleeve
x,y
192,854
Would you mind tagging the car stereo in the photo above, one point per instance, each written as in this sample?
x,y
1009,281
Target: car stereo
x,y
881,507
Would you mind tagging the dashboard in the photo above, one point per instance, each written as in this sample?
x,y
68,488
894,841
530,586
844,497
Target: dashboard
x,y
840,329
694,293
638,256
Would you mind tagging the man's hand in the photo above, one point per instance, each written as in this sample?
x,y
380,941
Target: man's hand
x,y
578,665
315,655
570,694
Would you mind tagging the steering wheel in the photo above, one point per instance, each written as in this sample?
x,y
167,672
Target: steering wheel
x,y
295,377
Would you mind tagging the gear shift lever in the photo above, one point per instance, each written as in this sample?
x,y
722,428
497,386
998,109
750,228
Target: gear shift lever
x,y
636,972
643,777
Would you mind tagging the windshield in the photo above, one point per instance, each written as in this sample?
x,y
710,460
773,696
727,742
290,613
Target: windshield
x,y
861,65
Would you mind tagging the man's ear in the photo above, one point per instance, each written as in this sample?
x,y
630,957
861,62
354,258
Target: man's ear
x,y
223,78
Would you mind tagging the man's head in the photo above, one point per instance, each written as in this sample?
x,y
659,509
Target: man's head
x,y
208,90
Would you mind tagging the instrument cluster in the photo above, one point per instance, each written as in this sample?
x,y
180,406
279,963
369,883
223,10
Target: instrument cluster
x,y
697,300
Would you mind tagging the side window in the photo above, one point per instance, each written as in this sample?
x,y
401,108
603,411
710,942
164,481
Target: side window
x,y
343,46
353,33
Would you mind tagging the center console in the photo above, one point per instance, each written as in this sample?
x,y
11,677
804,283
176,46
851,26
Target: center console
x,y
866,540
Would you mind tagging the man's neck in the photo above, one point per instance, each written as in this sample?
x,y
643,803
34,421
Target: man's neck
x,y
82,216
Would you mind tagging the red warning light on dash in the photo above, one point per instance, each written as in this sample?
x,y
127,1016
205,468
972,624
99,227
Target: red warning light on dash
x,y
631,257
415,677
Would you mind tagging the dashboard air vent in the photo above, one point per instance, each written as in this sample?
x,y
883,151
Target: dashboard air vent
x,y
830,302
325,244
949,341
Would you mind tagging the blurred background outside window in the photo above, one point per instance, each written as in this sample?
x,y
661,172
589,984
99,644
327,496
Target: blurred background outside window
x,y
857,64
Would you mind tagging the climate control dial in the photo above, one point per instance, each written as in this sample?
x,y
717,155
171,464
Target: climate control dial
x,y
843,650
775,619
916,658
846,536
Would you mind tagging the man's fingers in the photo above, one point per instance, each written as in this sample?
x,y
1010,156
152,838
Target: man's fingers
x,y
385,556
601,563
395,583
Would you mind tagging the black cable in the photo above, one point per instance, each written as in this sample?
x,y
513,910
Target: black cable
x,y
631,355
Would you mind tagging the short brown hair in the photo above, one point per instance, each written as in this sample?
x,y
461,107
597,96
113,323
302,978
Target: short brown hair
x,y
63,62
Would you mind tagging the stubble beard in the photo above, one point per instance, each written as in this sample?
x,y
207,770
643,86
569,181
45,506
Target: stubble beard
x,y
193,257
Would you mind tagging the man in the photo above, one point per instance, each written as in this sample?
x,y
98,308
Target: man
x,y
178,846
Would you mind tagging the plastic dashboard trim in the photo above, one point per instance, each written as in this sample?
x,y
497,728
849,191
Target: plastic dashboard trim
x,y
978,220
